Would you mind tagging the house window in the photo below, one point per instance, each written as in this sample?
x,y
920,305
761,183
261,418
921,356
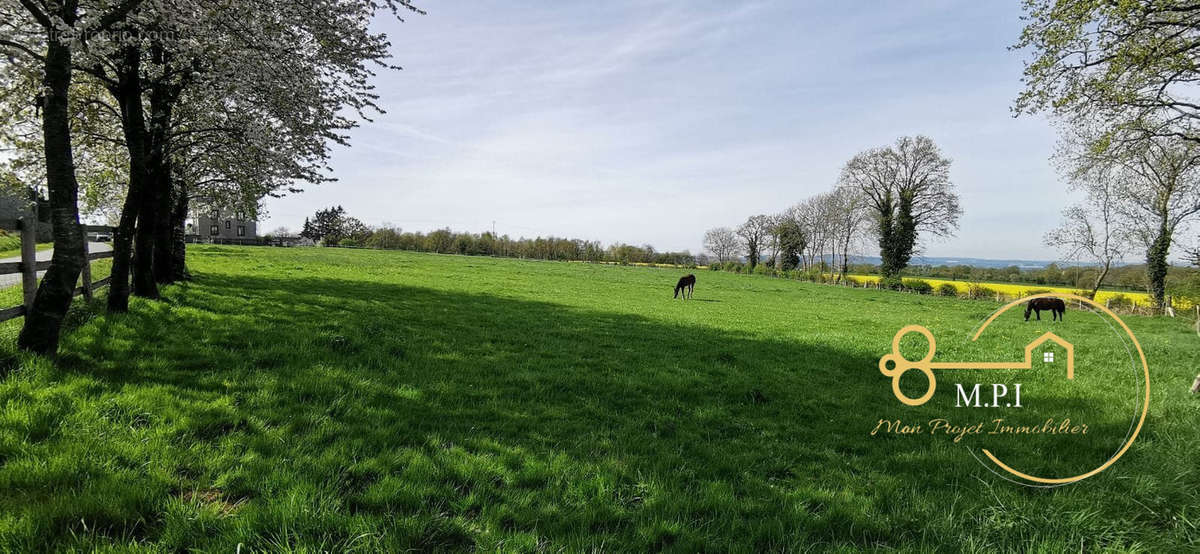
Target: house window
x,y
241,230
228,224
241,216
215,215
214,230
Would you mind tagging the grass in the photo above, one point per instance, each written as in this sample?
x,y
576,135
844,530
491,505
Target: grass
x,y
16,251
355,400
12,295
10,244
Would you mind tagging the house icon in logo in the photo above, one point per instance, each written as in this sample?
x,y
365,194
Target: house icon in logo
x,y
1048,355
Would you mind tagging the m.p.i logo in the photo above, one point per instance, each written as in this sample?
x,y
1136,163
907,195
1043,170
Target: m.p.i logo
x,y
1078,374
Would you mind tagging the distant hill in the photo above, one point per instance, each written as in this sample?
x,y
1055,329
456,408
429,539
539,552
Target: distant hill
x,y
973,262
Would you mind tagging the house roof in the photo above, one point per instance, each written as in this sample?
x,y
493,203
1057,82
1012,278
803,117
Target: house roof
x,y
1070,348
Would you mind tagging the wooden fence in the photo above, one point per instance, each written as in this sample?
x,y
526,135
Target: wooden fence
x,y
29,266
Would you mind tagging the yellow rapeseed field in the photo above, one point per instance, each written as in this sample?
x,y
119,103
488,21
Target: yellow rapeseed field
x,y
1016,291
1010,290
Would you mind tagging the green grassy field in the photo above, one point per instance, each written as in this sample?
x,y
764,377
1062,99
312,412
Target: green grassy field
x,y
10,244
333,400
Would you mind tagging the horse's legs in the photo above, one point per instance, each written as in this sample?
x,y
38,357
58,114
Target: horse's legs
x,y
1039,314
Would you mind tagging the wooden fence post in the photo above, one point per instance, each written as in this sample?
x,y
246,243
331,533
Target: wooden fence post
x,y
29,280
87,270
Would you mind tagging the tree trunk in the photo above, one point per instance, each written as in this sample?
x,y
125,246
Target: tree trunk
x,y
1104,269
888,266
1156,265
162,98
43,323
178,235
164,260
118,291
128,94
144,284
149,210
845,258
906,233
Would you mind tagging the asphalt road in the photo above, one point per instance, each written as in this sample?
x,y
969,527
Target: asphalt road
x,y
15,278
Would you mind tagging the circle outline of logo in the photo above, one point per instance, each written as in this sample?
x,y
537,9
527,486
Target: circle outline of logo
x,y
1145,400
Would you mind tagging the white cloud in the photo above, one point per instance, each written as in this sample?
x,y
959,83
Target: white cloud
x,y
649,122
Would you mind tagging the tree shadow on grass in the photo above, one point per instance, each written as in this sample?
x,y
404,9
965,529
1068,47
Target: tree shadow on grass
x,y
322,411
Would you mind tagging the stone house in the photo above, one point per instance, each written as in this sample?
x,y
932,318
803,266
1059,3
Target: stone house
x,y
217,223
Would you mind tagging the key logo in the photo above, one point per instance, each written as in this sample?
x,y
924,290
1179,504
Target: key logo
x,y
1074,395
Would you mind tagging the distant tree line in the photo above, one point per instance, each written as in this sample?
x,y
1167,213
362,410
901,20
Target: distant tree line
x,y
445,241
334,227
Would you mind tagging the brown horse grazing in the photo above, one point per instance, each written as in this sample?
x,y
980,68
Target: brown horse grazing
x,y
1055,305
687,284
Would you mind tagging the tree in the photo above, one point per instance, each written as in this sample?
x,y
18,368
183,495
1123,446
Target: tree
x,y
1127,71
1097,229
1156,187
847,214
55,27
753,233
792,241
215,129
1092,230
327,226
811,215
907,186
355,230
773,240
1138,60
1160,194
225,100
722,243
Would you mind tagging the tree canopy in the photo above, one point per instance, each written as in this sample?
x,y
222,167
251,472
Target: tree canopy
x,y
1136,63
151,105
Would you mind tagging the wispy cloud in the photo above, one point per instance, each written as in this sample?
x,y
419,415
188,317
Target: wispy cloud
x,y
651,121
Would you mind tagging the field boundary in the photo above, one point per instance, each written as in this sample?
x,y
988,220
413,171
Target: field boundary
x,y
29,266
1139,299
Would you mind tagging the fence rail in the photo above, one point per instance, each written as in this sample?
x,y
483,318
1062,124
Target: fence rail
x,y
29,266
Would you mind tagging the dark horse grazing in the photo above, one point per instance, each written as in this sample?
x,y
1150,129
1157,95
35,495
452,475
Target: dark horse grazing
x,y
687,284
1055,305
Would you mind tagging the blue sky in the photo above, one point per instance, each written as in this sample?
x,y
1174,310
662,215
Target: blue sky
x,y
651,121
